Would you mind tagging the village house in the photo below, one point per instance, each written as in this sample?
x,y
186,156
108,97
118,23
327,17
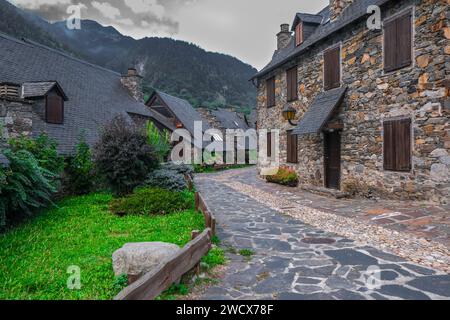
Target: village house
x,y
44,90
363,110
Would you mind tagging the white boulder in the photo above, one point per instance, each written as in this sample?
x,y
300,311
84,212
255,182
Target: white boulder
x,y
136,259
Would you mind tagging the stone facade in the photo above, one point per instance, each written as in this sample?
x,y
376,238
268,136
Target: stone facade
x,y
419,92
16,117
337,7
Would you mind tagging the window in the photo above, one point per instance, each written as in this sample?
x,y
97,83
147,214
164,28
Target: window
x,y
292,147
299,34
270,86
398,42
54,109
291,76
397,145
332,68
269,144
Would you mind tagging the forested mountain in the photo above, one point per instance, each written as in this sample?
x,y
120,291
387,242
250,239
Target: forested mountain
x,y
176,67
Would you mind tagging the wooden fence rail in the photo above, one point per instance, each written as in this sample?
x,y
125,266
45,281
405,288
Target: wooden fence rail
x,y
210,219
152,284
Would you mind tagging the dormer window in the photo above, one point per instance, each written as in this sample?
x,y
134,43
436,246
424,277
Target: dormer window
x,y
54,108
299,34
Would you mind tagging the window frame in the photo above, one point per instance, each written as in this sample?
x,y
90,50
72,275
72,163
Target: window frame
x,y
336,46
397,15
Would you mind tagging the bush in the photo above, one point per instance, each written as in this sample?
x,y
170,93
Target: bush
x,y
79,169
284,176
167,179
24,185
123,156
44,150
179,168
151,201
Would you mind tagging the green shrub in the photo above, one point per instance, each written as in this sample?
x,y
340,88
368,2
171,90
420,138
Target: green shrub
x,y
150,201
79,169
166,179
284,176
180,168
24,185
123,156
159,141
44,150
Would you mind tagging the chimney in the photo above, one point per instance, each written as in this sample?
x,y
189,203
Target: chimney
x,y
133,83
337,7
283,37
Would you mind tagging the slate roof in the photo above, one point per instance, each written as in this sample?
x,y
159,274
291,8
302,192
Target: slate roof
x,y
230,119
307,18
40,89
320,111
95,94
183,111
354,12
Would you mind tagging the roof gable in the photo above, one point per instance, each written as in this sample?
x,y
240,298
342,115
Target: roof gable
x,y
41,89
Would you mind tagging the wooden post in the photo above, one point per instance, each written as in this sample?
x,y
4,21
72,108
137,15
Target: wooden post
x,y
197,201
195,234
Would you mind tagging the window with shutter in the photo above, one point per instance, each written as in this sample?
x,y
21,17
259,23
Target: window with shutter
x,y
291,76
54,109
269,144
398,42
332,68
397,145
270,86
292,147
299,34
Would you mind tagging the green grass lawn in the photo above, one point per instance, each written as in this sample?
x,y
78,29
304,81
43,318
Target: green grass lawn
x,y
81,231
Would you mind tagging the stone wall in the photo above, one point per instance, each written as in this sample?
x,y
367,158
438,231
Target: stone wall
x,y
420,92
16,117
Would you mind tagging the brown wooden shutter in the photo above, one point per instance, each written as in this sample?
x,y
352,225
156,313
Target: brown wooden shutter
x,y
388,147
397,145
299,34
269,145
54,111
390,38
332,68
270,84
398,42
403,145
404,40
291,76
292,147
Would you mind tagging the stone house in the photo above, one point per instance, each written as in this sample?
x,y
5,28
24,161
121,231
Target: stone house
x,y
44,90
363,110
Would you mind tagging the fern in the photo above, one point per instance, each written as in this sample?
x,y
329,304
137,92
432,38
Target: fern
x,y
24,185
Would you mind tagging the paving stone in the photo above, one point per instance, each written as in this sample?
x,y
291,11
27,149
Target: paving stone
x,y
439,285
347,295
402,292
351,257
419,269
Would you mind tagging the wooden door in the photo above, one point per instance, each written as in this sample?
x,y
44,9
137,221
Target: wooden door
x,y
332,155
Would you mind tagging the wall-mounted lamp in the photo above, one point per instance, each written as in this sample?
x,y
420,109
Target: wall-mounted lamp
x,y
289,114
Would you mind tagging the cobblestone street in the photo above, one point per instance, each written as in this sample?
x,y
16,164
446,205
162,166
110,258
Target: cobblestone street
x,y
295,260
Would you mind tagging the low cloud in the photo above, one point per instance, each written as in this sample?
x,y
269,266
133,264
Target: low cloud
x,y
138,18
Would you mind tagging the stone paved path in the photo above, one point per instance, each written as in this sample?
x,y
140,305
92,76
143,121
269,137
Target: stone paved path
x,y
293,260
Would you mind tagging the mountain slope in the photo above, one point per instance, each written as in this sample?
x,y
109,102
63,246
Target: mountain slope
x,y
176,67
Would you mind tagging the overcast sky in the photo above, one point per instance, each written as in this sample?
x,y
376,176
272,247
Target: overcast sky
x,y
245,29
